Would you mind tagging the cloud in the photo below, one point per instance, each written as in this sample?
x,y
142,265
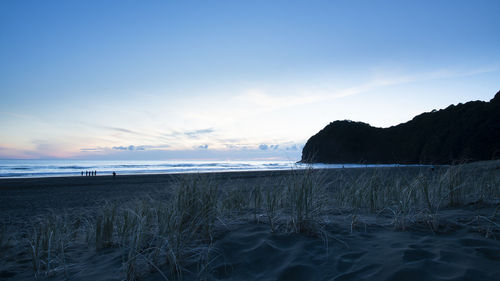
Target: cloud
x,y
237,146
171,134
93,149
123,130
130,147
48,148
267,100
268,147
140,147
196,133
120,147
205,146
20,116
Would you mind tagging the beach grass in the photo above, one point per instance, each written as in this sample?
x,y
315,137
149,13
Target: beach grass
x,y
174,232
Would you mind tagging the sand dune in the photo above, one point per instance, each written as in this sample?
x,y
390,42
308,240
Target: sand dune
x,y
252,253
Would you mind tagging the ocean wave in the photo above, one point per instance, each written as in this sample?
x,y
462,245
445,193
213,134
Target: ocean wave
x,y
47,168
131,166
74,167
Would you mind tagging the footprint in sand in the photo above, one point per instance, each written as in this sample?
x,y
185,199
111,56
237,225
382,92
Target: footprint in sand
x,y
450,256
364,273
491,254
417,254
467,242
347,260
298,272
411,274
7,274
396,245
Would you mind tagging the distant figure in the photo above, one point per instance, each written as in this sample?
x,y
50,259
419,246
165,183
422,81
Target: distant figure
x,y
95,173
86,173
82,173
114,174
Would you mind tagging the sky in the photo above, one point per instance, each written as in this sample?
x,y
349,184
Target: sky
x,y
229,80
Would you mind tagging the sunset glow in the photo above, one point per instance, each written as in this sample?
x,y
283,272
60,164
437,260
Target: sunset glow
x,y
229,80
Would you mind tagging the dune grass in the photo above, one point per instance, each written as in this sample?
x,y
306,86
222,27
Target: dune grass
x,y
48,241
174,233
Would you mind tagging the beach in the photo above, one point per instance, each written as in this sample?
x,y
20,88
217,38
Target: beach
x,y
393,223
27,197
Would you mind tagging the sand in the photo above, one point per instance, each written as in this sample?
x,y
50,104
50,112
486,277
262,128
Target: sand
x,y
22,198
361,247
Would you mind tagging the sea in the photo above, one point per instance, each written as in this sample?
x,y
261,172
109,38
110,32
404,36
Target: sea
x,y
58,168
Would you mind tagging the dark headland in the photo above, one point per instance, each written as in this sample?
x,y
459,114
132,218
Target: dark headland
x,y
457,134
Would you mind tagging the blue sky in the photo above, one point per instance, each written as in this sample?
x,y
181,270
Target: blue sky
x,y
230,79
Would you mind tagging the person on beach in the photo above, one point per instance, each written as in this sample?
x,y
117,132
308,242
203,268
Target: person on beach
x,y
86,173
95,173
82,173
114,174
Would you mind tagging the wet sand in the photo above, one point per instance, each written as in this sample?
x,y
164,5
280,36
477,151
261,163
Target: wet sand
x,y
22,198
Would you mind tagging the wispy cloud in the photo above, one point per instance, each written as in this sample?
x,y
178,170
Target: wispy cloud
x,y
267,100
197,133
20,116
92,149
140,147
130,147
122,130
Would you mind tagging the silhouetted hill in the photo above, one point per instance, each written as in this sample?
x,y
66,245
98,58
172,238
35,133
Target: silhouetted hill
x,y
460,133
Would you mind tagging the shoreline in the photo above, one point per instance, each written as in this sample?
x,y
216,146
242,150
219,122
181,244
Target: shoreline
x,y
31,171
348,166
5,182
109,174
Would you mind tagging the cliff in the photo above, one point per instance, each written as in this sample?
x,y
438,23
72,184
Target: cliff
x,y
460,133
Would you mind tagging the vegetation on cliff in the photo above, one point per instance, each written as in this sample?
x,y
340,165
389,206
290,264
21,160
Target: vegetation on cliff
x,y
460,133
